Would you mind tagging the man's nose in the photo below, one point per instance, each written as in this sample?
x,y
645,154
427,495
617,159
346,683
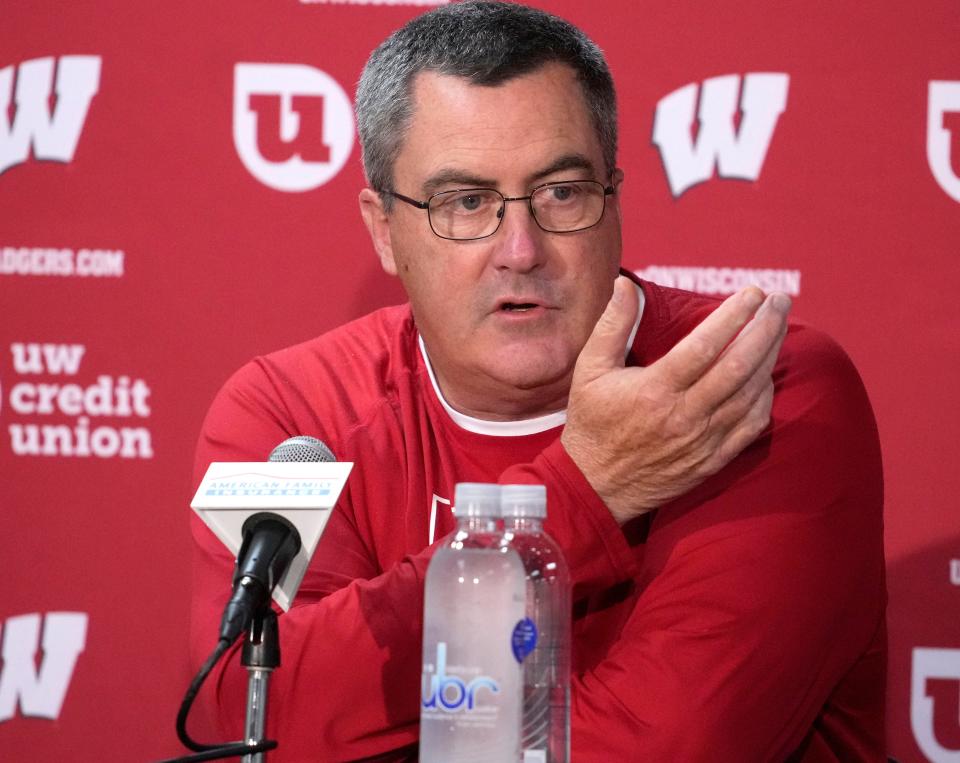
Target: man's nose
x,y
519,242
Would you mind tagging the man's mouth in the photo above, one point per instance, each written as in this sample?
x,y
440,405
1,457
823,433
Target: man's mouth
x,y
517,307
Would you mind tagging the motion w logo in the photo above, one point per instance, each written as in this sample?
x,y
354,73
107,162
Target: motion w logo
x,y
734,147
53,136
40,692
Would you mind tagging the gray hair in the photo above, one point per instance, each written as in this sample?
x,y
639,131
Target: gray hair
x,y
486,42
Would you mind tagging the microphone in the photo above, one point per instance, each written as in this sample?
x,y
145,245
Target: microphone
x,y
270,543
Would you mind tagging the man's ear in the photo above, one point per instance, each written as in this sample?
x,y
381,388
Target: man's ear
x,y
616,180
378,225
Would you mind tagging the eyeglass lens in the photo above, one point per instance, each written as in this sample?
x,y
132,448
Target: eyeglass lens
x,y
556,207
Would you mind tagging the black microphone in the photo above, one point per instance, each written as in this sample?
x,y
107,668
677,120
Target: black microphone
x,y
270,542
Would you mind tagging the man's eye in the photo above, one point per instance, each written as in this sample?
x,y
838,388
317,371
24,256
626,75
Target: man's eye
x,y
562,192
470,202
460,203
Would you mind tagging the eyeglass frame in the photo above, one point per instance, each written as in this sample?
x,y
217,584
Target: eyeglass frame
x,y
608,190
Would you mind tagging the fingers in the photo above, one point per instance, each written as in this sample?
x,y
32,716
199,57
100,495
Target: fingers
x,y
741,410
605,349
755,348
694,354
745,415
748,429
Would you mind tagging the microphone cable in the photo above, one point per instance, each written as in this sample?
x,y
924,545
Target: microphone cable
x,y
210,751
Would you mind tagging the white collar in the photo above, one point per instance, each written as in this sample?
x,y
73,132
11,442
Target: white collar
x,y
521,426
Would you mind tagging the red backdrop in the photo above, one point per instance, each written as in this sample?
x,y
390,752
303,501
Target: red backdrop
x,y
151,241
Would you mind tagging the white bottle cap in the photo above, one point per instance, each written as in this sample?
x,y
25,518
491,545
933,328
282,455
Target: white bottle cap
x,y
476,499
523,501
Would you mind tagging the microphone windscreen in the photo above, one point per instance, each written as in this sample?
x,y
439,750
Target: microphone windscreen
x,y
302,448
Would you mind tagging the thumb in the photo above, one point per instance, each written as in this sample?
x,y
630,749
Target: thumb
x,y
606,347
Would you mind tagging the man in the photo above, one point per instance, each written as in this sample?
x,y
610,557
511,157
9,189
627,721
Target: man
x,y
717,491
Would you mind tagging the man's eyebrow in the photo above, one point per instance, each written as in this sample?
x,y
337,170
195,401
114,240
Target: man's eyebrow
x,y
452,176
457,178
565,162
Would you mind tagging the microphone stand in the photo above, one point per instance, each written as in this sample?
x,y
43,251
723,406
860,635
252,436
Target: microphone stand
x,y
260,655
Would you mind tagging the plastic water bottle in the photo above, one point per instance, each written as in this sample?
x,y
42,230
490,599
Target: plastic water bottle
x,y
474,603
545,736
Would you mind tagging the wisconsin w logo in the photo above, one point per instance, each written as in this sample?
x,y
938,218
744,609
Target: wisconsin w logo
x,y
53,136
719,145
40,692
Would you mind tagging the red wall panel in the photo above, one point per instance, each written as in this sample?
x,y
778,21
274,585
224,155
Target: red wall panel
x,y
169,263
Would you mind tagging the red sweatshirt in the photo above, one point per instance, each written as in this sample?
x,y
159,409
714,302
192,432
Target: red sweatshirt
x,y
743,621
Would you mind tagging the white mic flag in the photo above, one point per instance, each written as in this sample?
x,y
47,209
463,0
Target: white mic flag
x,y
302,492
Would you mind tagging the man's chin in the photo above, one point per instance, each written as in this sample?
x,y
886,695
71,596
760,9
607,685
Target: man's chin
x,y
530,373
505,390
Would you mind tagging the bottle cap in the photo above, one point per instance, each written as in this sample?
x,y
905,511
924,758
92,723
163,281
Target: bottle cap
x,y
476,499
523,501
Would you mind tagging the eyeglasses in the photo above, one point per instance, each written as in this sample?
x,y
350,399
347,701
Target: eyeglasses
x,y
471,213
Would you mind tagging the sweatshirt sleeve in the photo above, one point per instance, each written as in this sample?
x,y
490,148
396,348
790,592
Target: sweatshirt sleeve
x,y
758,593
594,545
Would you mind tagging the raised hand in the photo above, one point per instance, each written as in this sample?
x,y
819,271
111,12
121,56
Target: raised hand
x,y
645,435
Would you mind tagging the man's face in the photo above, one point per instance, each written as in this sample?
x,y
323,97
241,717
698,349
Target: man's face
x,y
491,359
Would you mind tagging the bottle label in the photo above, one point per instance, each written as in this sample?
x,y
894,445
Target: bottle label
x,y
524,638
451,693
